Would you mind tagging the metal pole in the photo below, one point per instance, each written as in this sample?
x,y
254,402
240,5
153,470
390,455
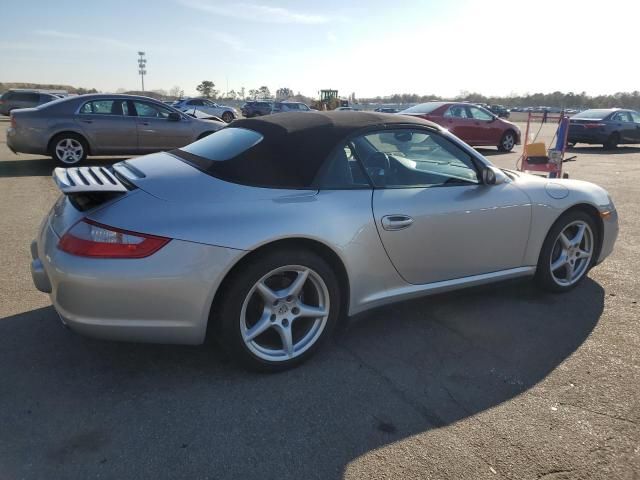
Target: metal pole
x,y
142,67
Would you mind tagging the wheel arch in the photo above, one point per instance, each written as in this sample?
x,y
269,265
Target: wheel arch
x,y
67,132
315,246
594,213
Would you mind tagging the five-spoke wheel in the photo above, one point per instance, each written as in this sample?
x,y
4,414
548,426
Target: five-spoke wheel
x,y
284,313
568,252
572,253
69,149
278,308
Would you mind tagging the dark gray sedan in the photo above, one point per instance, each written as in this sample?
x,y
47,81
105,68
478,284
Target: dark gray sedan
x,y
69,129
608,127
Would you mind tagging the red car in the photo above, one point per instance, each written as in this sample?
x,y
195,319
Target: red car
x,y
472,124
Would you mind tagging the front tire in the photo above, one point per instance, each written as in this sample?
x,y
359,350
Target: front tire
x,y
227,117
507,142
568,252
277,310
68,149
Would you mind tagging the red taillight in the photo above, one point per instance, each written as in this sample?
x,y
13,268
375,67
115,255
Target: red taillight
x,y
594,125
91,239
13,121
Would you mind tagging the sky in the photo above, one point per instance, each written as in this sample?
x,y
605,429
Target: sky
x,y
370,48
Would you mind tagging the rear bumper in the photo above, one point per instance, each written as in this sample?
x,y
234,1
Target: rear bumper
x,y
19,140
586,136
164,298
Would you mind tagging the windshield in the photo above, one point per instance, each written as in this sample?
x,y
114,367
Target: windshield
x,y
596,114
423,108
224,144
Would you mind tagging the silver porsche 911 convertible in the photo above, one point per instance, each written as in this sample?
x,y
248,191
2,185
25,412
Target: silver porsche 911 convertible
x,y
267,233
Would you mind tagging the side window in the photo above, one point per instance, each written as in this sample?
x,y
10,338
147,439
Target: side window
x,y
480,114
635,117
342,171
414,158
145,109
102,107
456,111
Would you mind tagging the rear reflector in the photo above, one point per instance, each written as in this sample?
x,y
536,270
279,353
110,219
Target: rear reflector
x,y
91,239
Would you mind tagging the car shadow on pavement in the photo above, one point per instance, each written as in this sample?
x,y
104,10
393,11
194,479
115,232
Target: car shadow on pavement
x,y
73,407
43,167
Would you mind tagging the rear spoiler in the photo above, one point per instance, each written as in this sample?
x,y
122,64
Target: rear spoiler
x,y
87,180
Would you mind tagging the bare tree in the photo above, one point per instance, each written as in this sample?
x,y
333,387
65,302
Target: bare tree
x,y
175,91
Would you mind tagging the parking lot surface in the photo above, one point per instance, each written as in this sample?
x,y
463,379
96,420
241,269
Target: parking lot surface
x,y
497,382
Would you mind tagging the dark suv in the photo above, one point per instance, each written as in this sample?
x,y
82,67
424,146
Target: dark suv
x,y
23,99
257,108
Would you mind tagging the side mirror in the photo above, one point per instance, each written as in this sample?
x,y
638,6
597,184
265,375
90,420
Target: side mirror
x,y
173,117
493,176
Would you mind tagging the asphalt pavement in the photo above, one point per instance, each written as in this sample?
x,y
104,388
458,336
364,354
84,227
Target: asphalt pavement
x,y
495,382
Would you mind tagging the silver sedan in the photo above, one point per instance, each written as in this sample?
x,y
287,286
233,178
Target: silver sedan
x,y
71,128
268,233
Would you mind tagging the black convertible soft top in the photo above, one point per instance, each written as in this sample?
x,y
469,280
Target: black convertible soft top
x,y
293,148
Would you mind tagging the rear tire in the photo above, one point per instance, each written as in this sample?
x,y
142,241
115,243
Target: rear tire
x,y
68,149
266,328
612,142
227,117
507,142
567,256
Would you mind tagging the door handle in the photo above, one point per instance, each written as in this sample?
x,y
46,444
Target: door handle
x,y
396,222
87,121
144,123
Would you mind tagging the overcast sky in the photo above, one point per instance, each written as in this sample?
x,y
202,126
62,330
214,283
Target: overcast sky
x,y
372,47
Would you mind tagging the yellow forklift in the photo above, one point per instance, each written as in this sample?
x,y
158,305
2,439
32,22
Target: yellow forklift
x,y
329,100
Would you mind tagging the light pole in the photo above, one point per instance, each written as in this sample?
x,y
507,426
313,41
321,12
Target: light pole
x,y
142,67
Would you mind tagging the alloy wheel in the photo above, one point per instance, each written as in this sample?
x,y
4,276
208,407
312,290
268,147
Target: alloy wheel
x,y
508,141
284,313
571,254
69,151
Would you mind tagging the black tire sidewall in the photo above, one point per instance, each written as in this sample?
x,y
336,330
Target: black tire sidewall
x,y
76,137
227,115
612,142
227,314
543,270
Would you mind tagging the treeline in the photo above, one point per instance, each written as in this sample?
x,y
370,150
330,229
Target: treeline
x,y
555,99
45,86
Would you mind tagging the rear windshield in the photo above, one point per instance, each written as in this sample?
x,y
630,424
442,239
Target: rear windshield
x,y
593,114
244,156
224,144
423,108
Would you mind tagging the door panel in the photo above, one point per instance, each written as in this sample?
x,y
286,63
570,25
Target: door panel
x,y
106,128
455,231
487,129
636,124
156,132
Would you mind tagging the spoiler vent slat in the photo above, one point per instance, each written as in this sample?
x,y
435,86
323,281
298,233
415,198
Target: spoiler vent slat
x,y
87,179
69,179
95,177
109,175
